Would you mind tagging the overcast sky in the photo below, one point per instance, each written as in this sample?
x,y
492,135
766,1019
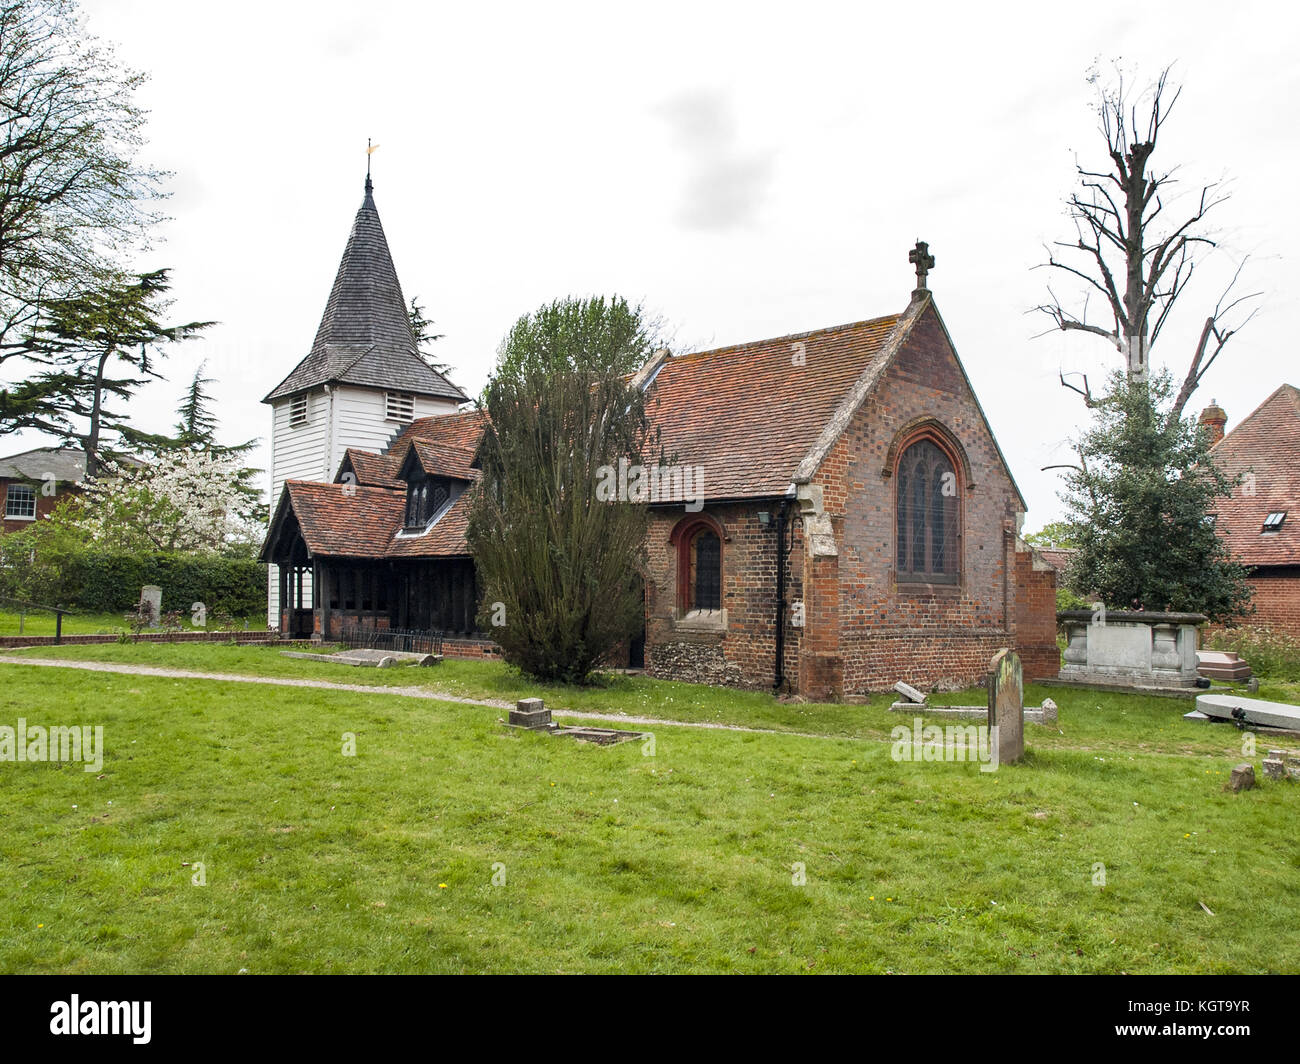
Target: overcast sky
x,y
746,170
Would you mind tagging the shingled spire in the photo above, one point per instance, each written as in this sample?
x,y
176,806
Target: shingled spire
x,y
365,333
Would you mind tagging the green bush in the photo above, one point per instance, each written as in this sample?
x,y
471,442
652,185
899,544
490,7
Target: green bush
x,y
1070,600
110,582
1271,654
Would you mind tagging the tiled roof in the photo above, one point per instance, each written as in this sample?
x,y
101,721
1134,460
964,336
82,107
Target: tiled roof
x,y
457,432
1266,446
1058,558
364,522
749,414
365,333
445,461
372,470
66,464
355,523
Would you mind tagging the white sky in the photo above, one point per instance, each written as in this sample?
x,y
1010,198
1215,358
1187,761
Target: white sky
x,y
746,170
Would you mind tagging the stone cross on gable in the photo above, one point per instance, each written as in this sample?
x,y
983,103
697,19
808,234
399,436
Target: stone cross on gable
x,y
921,258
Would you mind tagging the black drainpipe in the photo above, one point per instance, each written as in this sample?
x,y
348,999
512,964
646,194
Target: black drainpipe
x,y
780,597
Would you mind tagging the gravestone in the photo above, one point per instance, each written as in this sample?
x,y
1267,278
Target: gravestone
x,y
1241,779
530,713
1006,706
152,594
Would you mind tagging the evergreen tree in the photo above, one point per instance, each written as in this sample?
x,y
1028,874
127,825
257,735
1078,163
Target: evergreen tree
x,y
97,346
1141,505
198,424
422,330
560,569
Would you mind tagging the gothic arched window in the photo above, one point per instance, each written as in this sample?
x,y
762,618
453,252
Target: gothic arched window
x,y
698,542
927,513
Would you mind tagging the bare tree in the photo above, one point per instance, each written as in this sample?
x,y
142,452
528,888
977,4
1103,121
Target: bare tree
x,y
73,199
1126,248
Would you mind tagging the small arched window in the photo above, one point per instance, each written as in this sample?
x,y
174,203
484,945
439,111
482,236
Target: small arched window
x,y
698,543
927,510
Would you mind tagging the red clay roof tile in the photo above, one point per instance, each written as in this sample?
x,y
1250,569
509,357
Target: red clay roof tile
x,y
346,520
372,470
748,414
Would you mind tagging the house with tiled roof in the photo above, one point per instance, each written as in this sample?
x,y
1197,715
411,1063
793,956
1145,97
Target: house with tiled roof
x,y
832,514
1260,522
34,482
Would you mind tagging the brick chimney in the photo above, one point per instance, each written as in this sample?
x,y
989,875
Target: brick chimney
x,y
1214,418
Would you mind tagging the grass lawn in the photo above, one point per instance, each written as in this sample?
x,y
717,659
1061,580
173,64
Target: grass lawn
x,y
612,860
39,622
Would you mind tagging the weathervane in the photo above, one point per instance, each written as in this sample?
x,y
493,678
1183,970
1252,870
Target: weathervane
x,y
370,150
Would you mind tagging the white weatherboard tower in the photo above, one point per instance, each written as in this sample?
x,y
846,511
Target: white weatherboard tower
x,y
363,380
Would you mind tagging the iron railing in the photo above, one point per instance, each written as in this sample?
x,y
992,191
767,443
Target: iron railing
x,y
23,607
404,639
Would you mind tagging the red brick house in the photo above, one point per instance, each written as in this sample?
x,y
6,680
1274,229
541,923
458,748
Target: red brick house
x,y
837,516
1261,521
33,482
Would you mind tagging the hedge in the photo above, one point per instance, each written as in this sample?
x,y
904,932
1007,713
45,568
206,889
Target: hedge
x,y
106,582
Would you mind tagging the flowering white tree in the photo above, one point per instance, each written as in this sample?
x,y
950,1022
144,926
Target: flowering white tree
x,y
185,500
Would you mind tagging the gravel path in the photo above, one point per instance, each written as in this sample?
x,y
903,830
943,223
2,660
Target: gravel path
x,y
401,692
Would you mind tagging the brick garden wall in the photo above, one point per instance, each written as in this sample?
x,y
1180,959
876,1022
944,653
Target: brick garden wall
x,y
1277,600
451,647
463,647
1036,617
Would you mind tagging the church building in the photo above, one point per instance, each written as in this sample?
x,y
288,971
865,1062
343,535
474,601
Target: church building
x,y
839,515
362,381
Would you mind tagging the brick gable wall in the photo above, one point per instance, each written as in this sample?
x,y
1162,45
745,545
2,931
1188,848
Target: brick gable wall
x,y
926,634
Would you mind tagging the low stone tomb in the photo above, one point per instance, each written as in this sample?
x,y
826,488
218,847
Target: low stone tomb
x,y
1130,648
1222,665
362,657
530,713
